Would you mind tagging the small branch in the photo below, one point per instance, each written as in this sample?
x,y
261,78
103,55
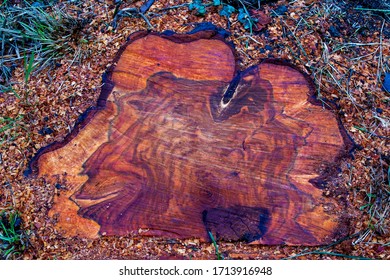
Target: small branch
x,y
158,11
321,251
150,26
132,12
146,6
174,7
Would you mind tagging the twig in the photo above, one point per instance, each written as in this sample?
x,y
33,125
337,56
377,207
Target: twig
x,y
250,37
363,56
131,12
322,252
362,237
146,20
173,7
158,13
146,6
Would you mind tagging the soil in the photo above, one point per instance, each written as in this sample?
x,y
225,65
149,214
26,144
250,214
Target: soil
x,y
345,50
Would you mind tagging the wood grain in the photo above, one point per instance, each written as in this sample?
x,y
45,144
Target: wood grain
x,y
182,144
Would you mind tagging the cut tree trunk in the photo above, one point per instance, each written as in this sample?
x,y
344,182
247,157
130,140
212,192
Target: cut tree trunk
x,y
181,144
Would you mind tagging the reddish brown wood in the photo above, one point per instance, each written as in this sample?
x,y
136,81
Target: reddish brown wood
x,y
182,144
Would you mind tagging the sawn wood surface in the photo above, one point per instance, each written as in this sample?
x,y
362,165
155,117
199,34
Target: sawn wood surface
x,y
182,144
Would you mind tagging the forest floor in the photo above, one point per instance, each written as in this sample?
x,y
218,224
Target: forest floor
x,y
345,48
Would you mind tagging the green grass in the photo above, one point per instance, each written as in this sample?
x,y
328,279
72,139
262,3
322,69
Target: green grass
x,y
326,250
8,123
10,128
13,239
217,253
318,252
40,32
386,11
8,89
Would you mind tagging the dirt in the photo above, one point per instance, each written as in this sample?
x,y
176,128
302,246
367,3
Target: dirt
x,y
345,50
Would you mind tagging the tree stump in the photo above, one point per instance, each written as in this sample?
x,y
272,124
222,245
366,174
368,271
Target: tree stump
x,y
182,144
